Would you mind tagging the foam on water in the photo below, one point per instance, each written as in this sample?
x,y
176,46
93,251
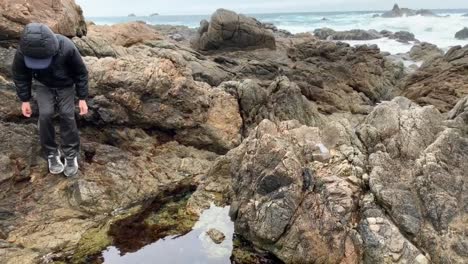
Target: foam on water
x,y
437,30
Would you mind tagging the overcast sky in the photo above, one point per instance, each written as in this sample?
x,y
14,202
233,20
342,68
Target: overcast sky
x,y
174,7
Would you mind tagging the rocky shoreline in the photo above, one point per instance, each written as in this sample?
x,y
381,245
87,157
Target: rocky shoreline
x,y
326,153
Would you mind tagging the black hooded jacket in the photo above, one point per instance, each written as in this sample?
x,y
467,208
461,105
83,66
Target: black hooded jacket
x,y
66,69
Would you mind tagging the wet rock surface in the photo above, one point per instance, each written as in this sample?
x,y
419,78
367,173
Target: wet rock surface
x,y
216,235
462,34
309,143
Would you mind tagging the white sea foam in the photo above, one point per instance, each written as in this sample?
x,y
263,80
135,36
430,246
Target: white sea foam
x,y
437,30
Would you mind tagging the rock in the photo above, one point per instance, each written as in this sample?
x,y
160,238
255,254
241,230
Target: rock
x,y
404,36
441,82
337,86
154,14
325,19
132,15
355,34
288,190
465,15
375,15
159,93
177,37
139,166
403,167
382,239
403,12
462,34
216,235
424,51
230,30
63,17
125,34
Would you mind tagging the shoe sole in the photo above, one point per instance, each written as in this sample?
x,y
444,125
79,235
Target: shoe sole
x,y
55,173
72,175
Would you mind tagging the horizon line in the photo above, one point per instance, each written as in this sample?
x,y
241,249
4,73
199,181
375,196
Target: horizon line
x,y
287,12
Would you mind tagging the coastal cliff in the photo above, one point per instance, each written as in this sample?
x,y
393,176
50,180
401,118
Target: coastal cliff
x,y
326,153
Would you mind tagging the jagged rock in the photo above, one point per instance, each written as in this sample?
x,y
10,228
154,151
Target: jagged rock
x,y
425,51
306,208
355,34
158,93
281,101
339,77
418,175
441,82
64,17
401,12
230,30
216,235
462,34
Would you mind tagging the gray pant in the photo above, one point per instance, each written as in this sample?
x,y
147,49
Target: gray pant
x,y
64,99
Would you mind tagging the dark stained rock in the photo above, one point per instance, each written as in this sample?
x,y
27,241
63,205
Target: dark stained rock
x,y
230,30
462,34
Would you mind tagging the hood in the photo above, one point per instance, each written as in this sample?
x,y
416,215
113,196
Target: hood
x,y
38,41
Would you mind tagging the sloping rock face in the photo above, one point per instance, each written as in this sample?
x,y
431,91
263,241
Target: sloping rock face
x,y
230,30
441,82
107,41
384,192
425,51
462,34
343,78
63,17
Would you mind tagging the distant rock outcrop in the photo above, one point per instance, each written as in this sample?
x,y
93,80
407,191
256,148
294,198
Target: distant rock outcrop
x,y
154,14
132,15
401,12
230,30
462,34
354,34
63,17
360,34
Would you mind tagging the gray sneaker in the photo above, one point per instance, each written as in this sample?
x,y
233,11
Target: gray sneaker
x,y
71,167
55,164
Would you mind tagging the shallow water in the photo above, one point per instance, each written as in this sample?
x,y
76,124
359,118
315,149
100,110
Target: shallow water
x,y
193,247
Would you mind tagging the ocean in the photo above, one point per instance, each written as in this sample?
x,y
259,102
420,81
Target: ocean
x,y
437,30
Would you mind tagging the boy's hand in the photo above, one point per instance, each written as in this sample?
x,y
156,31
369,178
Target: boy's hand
x,y
26,109
83,107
